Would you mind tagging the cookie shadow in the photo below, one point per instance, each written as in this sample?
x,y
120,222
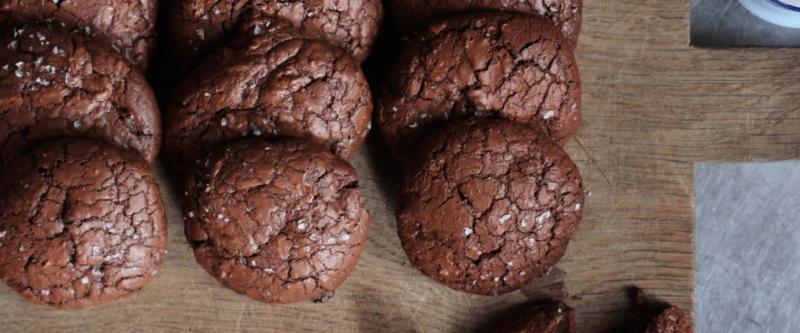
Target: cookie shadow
x,y
386,170
374,317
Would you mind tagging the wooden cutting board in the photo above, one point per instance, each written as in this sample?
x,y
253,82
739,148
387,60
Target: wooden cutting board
x,y
653,106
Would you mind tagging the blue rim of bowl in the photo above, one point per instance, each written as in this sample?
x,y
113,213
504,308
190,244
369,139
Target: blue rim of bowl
x,y
784,5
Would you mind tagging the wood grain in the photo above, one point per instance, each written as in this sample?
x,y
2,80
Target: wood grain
x,y
653,106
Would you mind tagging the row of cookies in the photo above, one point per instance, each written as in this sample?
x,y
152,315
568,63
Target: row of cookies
x,y
81,216
264,124
476,109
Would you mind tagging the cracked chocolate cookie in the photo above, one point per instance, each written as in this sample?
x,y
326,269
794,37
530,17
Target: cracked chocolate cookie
x,y
280,222
489,206
56,83
670,320
81,223
198,25
496,65
565,14
660,317
270,83
128,25
544,317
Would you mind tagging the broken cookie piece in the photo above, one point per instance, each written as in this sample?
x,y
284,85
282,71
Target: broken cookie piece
x,y
670,320
541,317
659,317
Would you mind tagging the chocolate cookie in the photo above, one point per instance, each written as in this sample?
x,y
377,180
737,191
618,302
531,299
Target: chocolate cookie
x,y
270,83
545,317
128,25
489,206
670,320
62,84
495,65
280,222
659,317
565,14
198,25
81,223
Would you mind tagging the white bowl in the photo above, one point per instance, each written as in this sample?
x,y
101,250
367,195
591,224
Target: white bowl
x,y
785,13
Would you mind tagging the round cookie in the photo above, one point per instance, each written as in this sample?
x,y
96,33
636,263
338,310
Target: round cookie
x,y
495,65
270,83
488,206
280,222
128,25
55,83
546,317
81,223
199,25
565,14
